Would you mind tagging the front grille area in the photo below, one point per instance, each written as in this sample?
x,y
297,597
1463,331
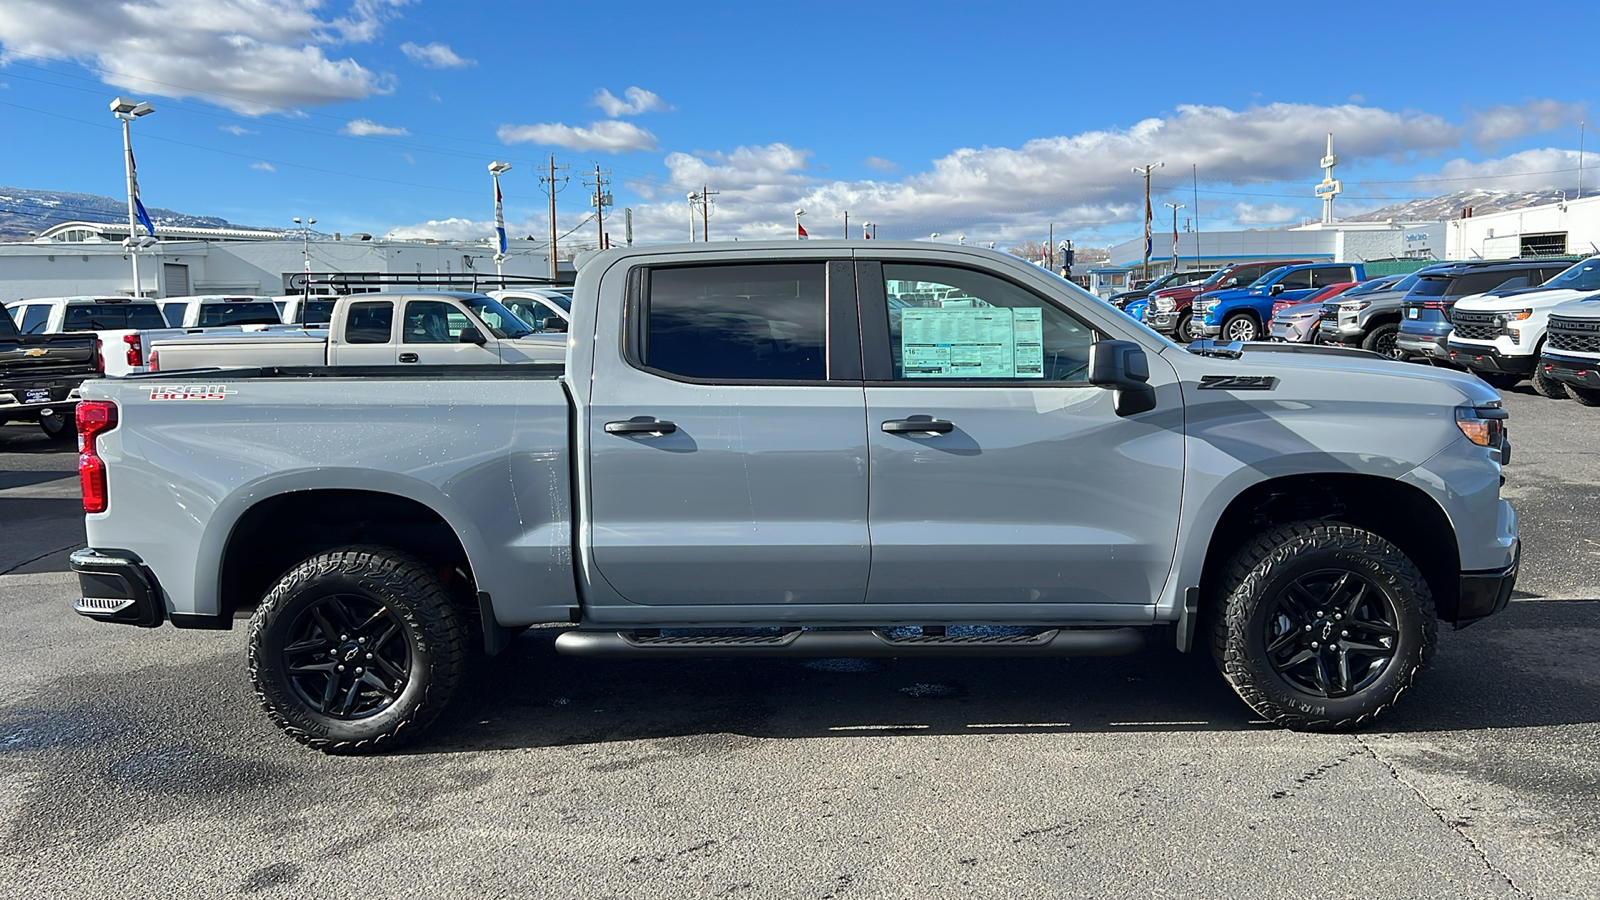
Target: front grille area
x,y
1329,313
1476,326
1573,335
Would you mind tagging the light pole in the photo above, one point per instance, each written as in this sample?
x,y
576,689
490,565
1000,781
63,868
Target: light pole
x,y
694,197
305,257
799,230
934,236
1145,171
495,168
1174,207
128,110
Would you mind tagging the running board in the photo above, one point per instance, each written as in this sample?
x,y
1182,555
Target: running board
x,y
828,644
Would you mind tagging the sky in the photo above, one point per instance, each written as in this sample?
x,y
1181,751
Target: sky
x,y
962,119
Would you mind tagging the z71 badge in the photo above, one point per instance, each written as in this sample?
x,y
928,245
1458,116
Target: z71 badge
x,y
189,391
1238,382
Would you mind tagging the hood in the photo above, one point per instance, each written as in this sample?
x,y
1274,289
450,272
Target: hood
x,y
1231,294
1493,302
1283,358
1586,307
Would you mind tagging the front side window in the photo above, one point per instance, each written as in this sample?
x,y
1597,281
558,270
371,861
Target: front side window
x,y
369,322
760,322
501,322
951,324
433,322
35,318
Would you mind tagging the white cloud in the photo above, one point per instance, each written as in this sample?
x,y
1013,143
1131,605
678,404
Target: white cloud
x,y
881,164
1502,123
236,130
1530,170
638,101
435,56
364,127
1265,213
263,167
250,56
610,135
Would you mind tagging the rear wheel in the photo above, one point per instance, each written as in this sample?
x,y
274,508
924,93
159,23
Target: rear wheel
x,y
1543,384
1322,625
1381,340
1586,396
1240,327
60,426
354,649
1502,381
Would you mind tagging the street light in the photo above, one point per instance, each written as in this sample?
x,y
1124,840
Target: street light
x,y
128,110
799,232
495,168
934,236
694,196
305,256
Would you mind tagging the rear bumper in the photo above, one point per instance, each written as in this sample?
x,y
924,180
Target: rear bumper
x,y
115,586
1572,370
25,401
1484,358
1485,593
1435,346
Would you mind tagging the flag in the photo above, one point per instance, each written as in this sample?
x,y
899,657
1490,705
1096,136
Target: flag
x,y
865,234
1044,255
1174,250
138,205
801,229
499,218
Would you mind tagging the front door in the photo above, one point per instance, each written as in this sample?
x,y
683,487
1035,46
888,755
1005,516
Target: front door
x,y
430,335
999,474
727,445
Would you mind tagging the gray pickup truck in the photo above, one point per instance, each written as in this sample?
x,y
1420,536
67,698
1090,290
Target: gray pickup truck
x,y
826,449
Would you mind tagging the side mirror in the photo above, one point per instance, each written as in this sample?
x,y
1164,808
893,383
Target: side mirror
x,y
471,335
1275,290
1123,367
1231,282
555,325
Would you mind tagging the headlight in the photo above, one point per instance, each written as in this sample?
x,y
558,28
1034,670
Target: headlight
x,y
1514,316
1164,304
1483,425
1355,305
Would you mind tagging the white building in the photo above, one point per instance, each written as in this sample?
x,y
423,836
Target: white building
x,y
1568,227
89,258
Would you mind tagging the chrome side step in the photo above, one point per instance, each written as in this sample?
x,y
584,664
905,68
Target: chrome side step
x,y
849,643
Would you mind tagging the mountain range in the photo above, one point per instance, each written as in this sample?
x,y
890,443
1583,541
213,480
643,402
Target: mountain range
x,y
23,211
1449,206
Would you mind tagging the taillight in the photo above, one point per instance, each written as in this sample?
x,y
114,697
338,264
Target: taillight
x,y
94,417
135,350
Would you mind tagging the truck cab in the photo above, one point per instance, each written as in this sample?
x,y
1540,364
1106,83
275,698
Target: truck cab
x,y
1501,333
117,321
1242,314
1571,352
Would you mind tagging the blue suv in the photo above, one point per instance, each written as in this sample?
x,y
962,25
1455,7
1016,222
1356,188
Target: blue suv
x,y
1242,314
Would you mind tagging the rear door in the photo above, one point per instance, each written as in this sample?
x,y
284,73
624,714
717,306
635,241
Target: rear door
x,y
999,474
367,336
727,446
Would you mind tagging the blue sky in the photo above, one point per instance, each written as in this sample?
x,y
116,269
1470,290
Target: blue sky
x,y
958,118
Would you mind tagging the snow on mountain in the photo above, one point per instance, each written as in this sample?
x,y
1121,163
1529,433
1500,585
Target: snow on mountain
x,y
23,211
1449,206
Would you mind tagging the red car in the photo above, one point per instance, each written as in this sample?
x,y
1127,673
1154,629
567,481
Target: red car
x,y
1327,293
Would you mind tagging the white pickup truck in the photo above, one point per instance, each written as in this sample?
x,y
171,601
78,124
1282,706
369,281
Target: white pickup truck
x,y
119,323
1501,334
376,330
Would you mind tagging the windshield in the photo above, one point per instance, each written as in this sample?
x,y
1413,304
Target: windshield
x,y
1479,282
1368,287
501,322
1584,276
561,300
1270,277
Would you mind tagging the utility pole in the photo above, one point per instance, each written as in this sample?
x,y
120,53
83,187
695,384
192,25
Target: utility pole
x,y
551,180
1582,128
1175,207
1145,171
847,224
705,211
1194,173
1050,249
601,201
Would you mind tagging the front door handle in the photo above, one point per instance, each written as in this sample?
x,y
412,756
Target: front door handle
x,y
641,425
408,357
918,425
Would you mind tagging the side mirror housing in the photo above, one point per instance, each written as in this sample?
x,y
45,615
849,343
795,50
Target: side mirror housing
x,y
1123,367
1275,290
471,335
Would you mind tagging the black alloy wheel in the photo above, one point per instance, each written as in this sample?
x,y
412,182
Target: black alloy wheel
x,y
348,656
1382,341
1331,633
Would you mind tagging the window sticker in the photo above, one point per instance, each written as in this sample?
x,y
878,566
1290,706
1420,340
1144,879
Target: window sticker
x,y
971,342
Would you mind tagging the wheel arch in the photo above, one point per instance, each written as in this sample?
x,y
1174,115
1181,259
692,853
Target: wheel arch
x,y
1400,513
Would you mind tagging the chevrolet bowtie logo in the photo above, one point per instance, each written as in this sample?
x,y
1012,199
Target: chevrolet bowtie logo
x,y
35,351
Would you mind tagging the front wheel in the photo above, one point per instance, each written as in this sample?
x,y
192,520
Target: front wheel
x,y
1543,384
1584,395
1184,332
354,649
1240,327
1381,340
1322,625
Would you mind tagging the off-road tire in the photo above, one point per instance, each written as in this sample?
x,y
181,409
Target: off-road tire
x,y
1231,324
428,622
1380,340
1584,395
60,429
1248,595
1543,384
1500,381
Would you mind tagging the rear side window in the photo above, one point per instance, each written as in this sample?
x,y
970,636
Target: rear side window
x,y
34,318
112,316
260,312
1478,282
370,322
1297,280
1335,275
764,322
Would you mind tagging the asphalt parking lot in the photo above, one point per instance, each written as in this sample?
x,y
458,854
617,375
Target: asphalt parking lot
x,y
136,763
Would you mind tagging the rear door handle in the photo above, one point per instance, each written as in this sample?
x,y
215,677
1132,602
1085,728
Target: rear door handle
x,y
918,425
408,357
641,425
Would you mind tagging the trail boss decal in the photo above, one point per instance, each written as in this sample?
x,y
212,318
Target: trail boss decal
x,y
1238,382
189,391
